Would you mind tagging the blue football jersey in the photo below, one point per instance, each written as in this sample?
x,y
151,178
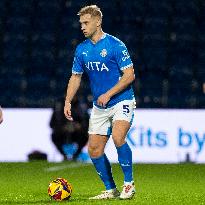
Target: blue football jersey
x,y
103,62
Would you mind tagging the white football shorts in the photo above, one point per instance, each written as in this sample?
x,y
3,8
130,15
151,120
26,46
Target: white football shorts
x,y
101,120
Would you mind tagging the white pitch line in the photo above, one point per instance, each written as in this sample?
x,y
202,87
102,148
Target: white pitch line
x,y
68,166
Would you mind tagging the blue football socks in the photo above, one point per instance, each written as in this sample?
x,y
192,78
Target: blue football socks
x,y
125,160
104,170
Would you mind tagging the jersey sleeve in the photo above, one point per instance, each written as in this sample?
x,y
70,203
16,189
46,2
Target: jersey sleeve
x,y
122,56
77,63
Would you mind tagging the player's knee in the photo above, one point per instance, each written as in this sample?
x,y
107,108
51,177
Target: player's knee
x,y
118,141
94,151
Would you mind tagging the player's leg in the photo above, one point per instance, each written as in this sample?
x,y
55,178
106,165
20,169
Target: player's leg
x,y
121,125
96,146
120,129
99,130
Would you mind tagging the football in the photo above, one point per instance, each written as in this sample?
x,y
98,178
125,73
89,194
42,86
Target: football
x,y
60,189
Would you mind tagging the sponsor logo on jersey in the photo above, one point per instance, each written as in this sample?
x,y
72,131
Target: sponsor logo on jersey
x,y
92,66
126,55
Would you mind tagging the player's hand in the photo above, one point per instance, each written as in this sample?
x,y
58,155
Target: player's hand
x,y
67,111
103,100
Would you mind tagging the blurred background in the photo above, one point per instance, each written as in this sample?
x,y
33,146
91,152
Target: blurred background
x,y
166,41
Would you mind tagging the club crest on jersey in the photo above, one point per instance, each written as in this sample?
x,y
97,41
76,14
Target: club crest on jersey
x,y
103,52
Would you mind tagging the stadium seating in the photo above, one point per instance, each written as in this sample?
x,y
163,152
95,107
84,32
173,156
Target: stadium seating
x,y
166,40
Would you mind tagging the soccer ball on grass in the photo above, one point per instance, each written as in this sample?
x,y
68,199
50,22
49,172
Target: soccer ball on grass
x,y
59,189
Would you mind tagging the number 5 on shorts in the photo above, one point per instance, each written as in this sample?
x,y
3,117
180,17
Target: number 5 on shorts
x,y
126,108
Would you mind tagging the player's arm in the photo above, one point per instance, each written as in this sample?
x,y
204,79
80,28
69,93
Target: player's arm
x,y
73,86
127,78
74,82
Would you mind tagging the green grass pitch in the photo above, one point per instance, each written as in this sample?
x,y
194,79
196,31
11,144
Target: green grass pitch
x,y
27,183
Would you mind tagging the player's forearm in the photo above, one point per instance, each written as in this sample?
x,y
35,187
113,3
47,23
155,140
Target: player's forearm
x,y
123,83
73,86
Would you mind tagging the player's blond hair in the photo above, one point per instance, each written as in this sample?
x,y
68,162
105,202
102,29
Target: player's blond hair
x,y
93,10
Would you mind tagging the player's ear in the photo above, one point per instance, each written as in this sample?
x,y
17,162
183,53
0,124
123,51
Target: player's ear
x,y
99,21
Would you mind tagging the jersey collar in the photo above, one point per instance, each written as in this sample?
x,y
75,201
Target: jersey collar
x,y
102,37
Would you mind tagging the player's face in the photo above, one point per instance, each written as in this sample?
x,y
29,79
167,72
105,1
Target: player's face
x,y
89,25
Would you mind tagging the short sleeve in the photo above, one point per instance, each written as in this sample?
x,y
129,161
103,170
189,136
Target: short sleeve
x,y
122,56
77,63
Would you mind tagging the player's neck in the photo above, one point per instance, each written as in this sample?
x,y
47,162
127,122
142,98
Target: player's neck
x,y
97,36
